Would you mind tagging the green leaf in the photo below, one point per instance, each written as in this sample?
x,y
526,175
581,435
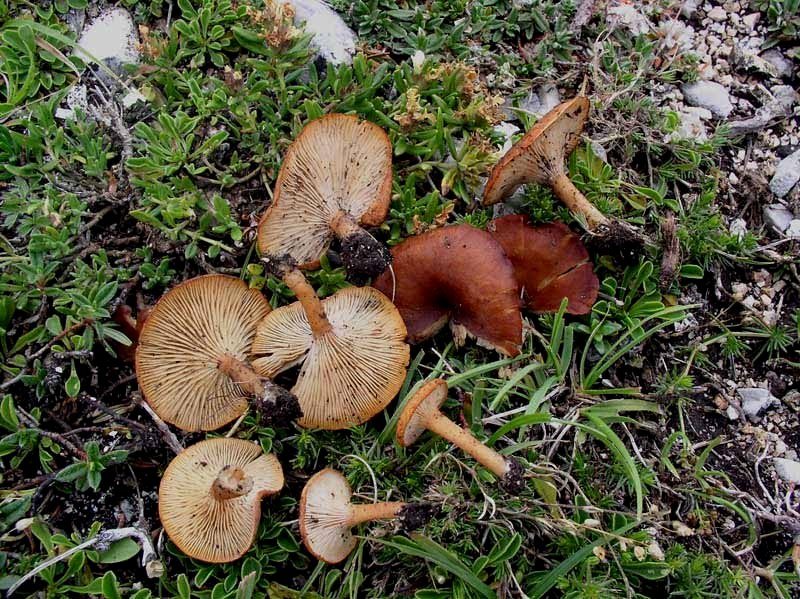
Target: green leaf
x,y
8,414
247,586
184,590
692,271
423,547
73,384
119,551
110,588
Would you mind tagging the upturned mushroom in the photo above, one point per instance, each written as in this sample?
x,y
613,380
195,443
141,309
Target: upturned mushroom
x,y
350,347
550,263
457,274
539,157
327,516
335,179
193,351
209,500
422,413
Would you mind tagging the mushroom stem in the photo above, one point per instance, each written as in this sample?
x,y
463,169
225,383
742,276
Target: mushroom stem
x,y
241,374
312,306
566,191
343,224
366,512
444,427
231,483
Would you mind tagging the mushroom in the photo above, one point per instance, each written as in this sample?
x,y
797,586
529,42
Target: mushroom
x,y
539,157
351,348
336,177
209,500
550,264
327,515
191,360
458,274
421,413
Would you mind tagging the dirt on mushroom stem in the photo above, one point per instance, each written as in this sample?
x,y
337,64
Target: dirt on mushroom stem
x,y
364,257
513,481
416,515
277,406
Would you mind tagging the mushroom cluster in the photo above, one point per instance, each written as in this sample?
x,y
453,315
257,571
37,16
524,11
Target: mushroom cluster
x,y
212,346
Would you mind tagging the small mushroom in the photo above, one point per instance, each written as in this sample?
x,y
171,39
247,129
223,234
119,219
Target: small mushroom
x,y
550,264
192,356
336,178
458,274
327,516
539,158
351,348
209,500
421,413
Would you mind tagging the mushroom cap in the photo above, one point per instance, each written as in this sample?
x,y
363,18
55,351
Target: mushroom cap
x,y
349,374
338,162
550,263
325,514
457,273
202,526
190,328
424,402
539,155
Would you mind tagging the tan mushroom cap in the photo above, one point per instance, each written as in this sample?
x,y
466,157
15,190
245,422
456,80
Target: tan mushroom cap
x,y
186,335
337,163
325,516
539,156
350,373
424,402
203,525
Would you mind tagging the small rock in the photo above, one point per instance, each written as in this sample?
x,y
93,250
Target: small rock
x,y
676,34
778,107
334,40
787,173
507,130
731,413
627,16
748,61
751,20
788,470
783,66
793,231
599,151
689,8
778,216
738,227
541,101
755,401
112,37
692,124
718,14
709,95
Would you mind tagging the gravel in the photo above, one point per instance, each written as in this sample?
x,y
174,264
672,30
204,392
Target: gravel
x,y
778,216
787,173
756,401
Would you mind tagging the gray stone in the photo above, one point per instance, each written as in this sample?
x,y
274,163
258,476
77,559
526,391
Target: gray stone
x,y
747,61
112,37
793,231
542,100
689,7
778,216
718,14
709,95
628,17
755,401
783,66
788,470
333,39
778,107
751,20
787,173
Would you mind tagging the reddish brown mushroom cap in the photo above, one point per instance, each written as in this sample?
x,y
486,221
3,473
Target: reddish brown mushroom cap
x,y
550,263
456,273
539,155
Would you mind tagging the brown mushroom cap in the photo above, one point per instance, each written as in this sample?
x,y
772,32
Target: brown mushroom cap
x,y
458,273
325,515
422,404
539,156
204,524
550,263
337,164
350,373
192,327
